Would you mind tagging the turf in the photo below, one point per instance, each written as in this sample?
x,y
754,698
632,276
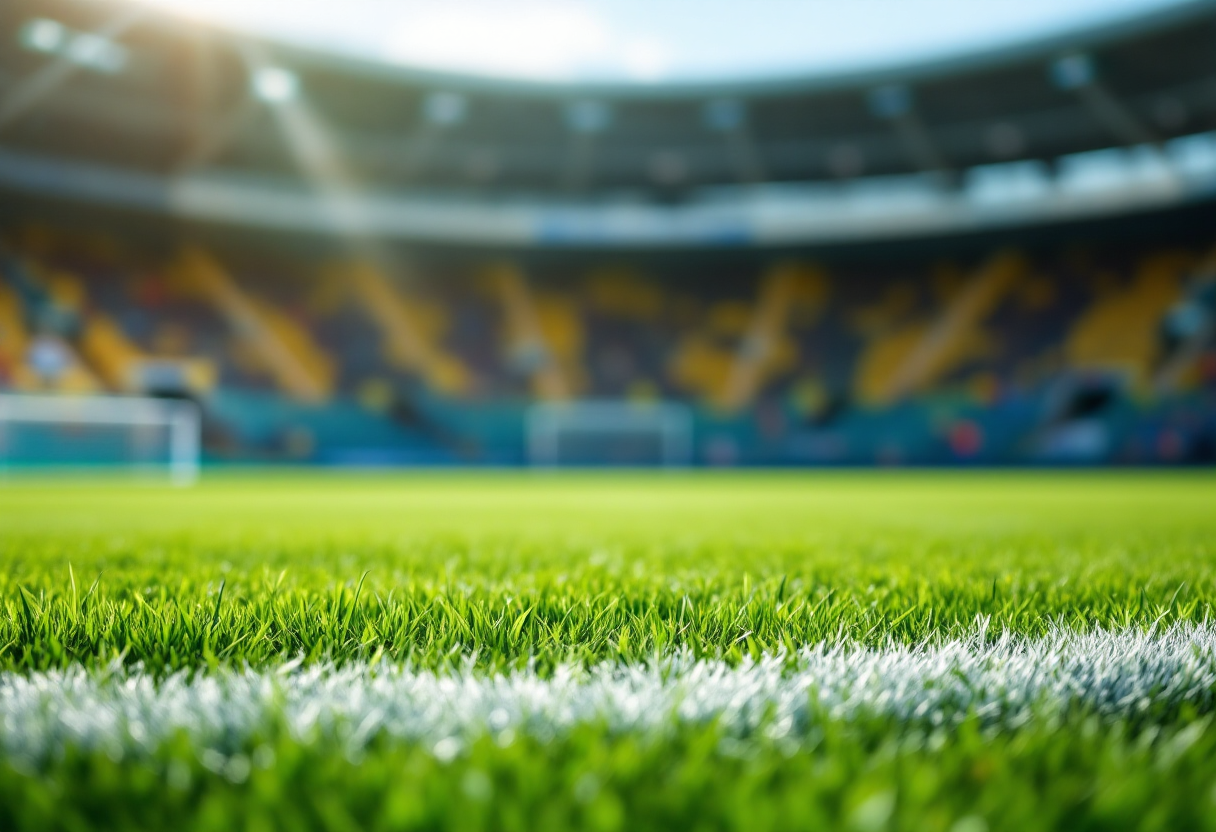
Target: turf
x,y
548,574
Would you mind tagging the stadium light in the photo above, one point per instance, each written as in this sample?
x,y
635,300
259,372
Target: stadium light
x,y
445,109
588,116
275,85
95,51
42,35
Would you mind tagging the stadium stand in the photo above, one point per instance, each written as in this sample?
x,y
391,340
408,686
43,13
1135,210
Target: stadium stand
x,y
907,361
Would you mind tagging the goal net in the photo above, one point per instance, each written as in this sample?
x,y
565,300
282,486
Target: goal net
x,y
100,432
599,433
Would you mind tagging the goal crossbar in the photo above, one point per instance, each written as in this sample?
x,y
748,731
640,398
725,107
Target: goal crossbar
x,y
670,423
180,418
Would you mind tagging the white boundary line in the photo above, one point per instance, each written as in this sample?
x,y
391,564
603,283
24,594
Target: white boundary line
x,y
1005,682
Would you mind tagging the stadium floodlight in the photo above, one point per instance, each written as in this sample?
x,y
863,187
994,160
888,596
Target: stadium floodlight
x,y
39,432
588,116
43,35
84,49
275,85
724,115
596,433
445,109
97,53
1072,72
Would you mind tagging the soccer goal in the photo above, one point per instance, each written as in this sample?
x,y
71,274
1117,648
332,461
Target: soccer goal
x,y
145,435
606,433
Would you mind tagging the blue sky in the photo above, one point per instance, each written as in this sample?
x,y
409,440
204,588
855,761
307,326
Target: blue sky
x,y
655,41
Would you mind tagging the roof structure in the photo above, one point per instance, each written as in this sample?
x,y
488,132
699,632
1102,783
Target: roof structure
x,y
124,89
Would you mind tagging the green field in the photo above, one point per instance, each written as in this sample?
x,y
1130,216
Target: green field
x,y
434,586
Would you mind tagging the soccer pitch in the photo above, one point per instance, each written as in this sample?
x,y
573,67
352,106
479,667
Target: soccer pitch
x,y
929,651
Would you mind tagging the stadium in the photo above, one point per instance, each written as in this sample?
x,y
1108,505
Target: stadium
x,y
409,441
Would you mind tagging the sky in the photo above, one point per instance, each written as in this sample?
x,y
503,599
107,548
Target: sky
x,y
656,41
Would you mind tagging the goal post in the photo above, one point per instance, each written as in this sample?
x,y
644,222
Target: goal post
x,y
100,432
607,433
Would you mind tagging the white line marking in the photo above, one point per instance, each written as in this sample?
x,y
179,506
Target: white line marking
x,y
1003,682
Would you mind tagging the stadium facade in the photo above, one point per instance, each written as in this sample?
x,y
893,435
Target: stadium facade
x,y
999,258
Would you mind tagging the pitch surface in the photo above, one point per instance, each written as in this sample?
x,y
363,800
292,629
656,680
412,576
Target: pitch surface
x,y
875,651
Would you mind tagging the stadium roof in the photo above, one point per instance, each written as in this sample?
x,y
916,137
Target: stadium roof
x,y
624,42
109,101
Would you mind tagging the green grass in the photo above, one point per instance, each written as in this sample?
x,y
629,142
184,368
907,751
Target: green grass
x,y
1079,776
253,570
509,569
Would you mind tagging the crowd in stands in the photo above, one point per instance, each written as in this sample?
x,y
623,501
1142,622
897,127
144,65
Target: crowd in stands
x,y
786,342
